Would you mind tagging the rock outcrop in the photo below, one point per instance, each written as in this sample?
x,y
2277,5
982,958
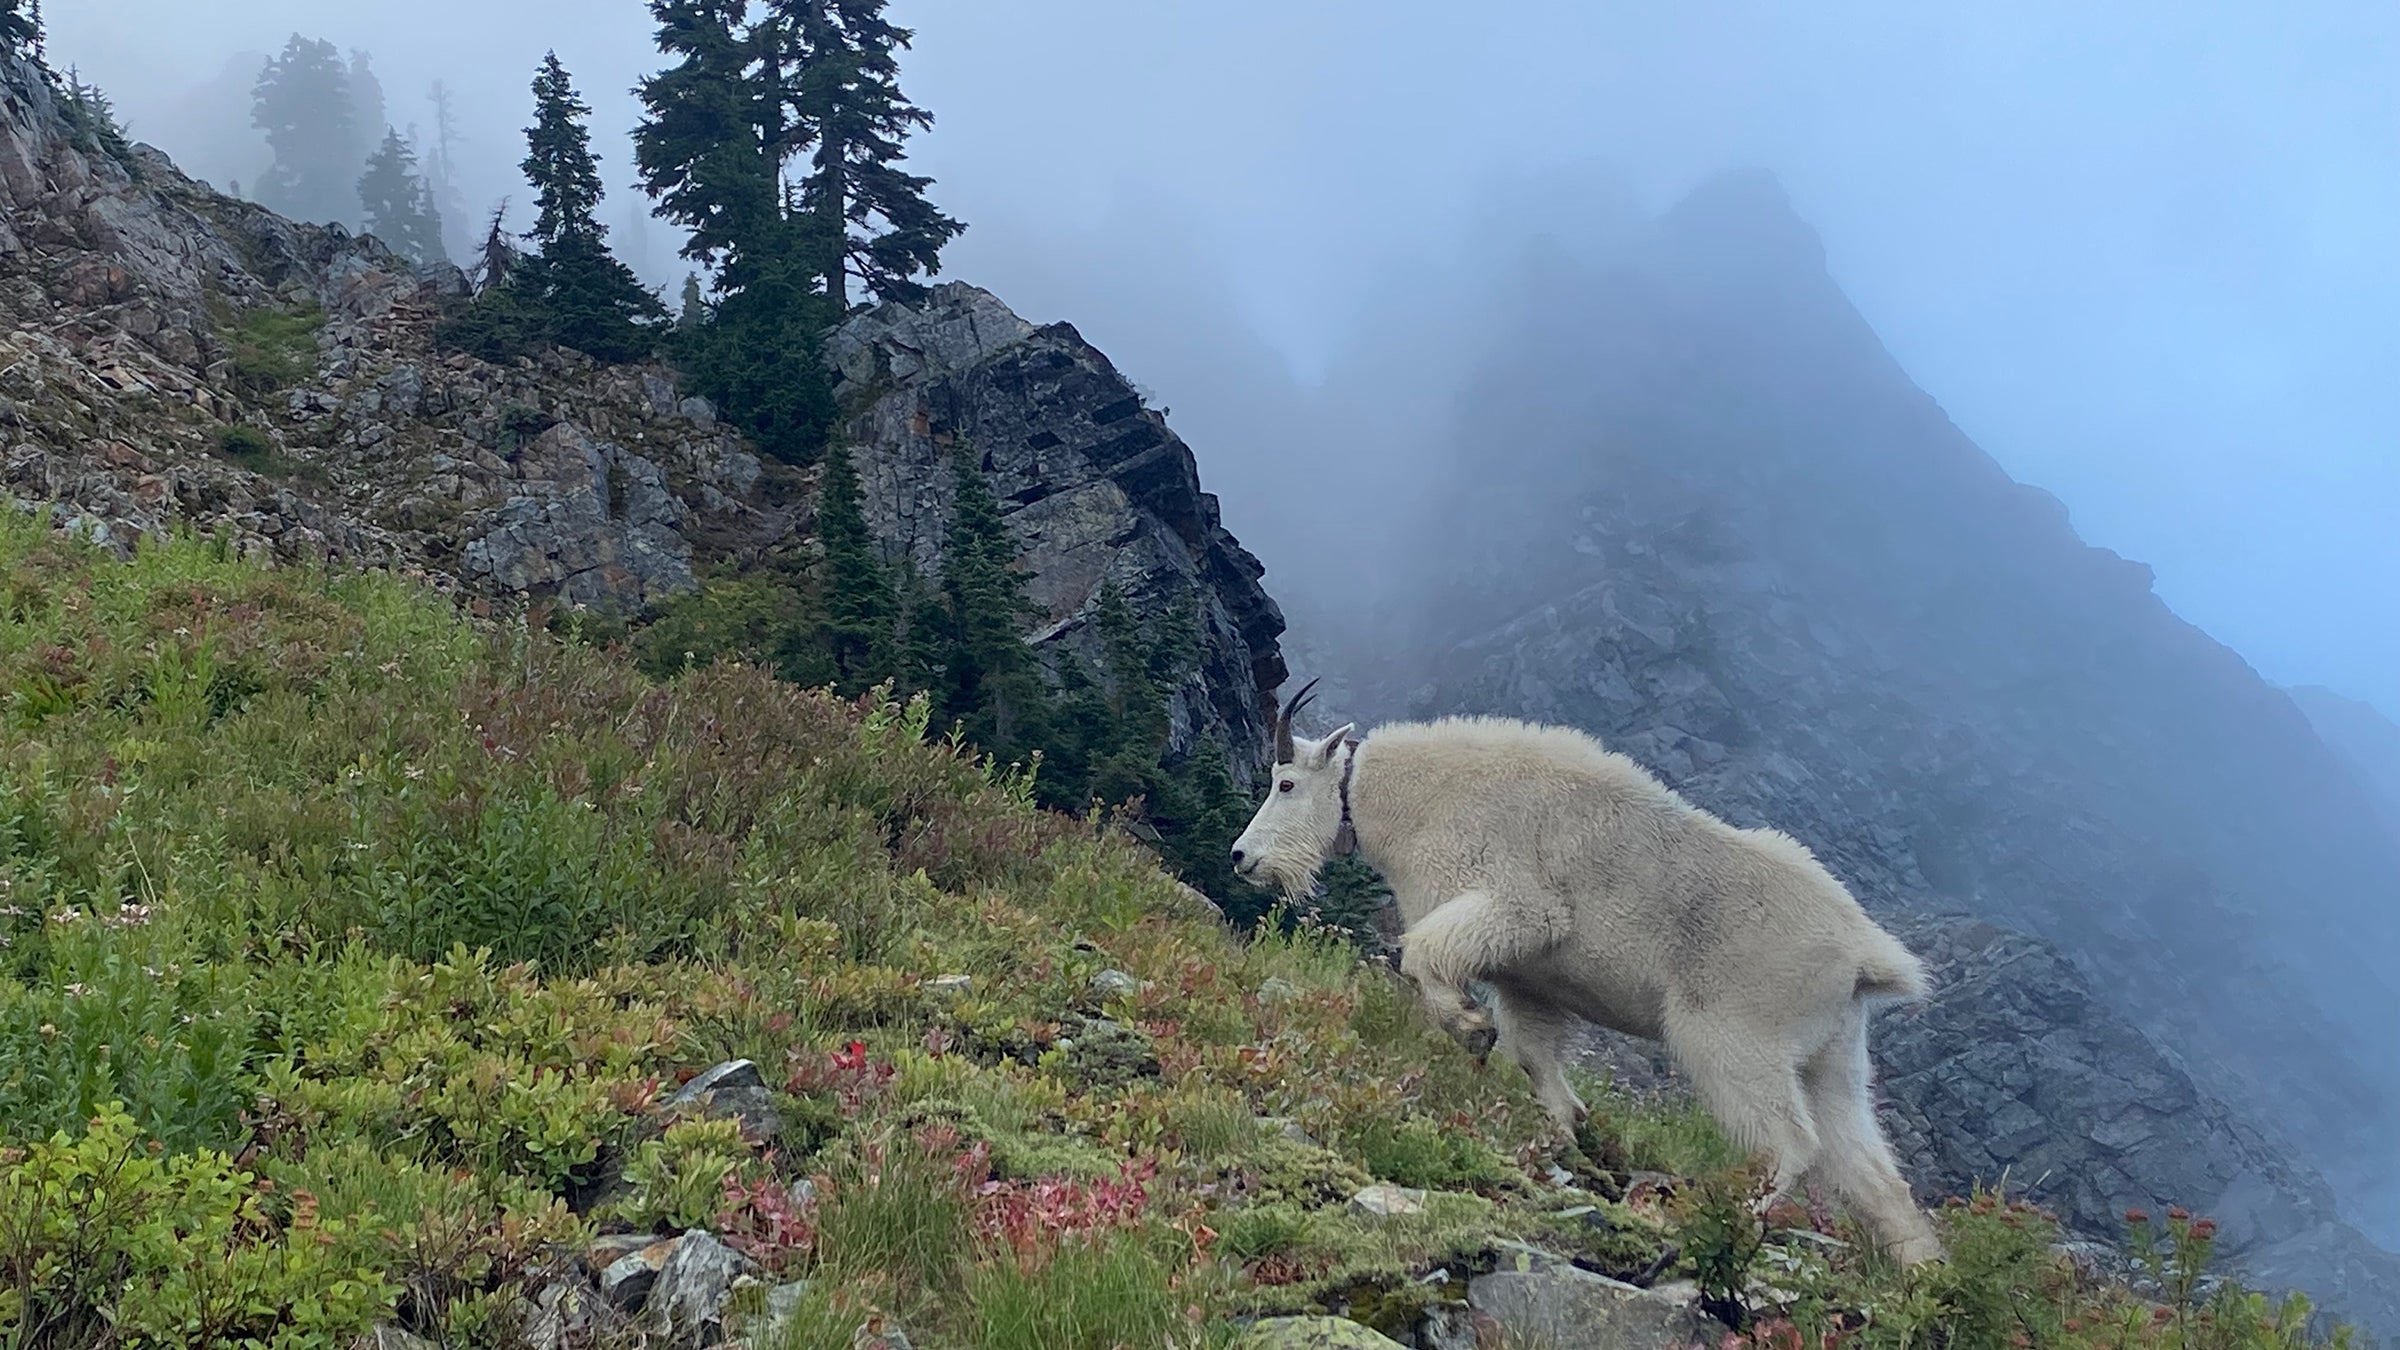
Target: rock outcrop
x,y
170,356
1699,511
1092,483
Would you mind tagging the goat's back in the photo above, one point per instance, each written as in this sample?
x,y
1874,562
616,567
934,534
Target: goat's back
x,y
1656,881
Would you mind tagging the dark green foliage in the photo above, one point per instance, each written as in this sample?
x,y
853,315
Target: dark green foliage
x,y
572,291
750,89
21,26
845,105
399,205
992,687
758,358
305,101
861,606
852,619
93,119
275,348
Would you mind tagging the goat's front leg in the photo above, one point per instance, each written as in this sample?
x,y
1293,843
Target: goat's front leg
x,y
1471,936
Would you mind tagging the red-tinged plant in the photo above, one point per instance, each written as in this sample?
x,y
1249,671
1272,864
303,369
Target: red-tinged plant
x,y
763,1221
847,1073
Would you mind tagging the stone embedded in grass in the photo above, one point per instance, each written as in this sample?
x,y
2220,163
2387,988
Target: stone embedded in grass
x,y
572,1313
1383,1200
950,984
627,1280
734,1089
1567,1306
687,1305
1287,1128
1276,989
1110,984
1312,1333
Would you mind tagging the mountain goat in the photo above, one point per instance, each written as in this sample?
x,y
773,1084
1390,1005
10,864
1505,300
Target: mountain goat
x,y
1575,884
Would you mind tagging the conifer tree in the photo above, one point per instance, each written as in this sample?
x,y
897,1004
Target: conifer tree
x,y
304,102
751,91
994,686
693,308
21,26
839,72
92,117
399,206
861,605
589,300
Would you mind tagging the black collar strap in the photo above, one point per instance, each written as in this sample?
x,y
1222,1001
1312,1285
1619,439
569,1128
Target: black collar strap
x,y
1345,840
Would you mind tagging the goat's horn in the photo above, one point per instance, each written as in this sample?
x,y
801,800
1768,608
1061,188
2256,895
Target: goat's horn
x,y
1283,723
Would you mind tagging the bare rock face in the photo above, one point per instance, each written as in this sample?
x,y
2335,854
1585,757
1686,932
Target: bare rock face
x,y
1092,483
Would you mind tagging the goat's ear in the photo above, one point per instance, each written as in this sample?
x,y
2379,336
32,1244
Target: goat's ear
x,y
1324,749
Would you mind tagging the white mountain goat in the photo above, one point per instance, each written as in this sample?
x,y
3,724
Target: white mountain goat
x,y
1574,883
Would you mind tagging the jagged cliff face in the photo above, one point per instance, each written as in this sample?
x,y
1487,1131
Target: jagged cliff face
x,y
1093,484
130,300
1698,510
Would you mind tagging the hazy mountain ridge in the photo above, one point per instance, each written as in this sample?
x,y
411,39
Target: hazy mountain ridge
x,y
1695,506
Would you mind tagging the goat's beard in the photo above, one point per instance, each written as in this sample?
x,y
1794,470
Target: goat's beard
x,y
1292,869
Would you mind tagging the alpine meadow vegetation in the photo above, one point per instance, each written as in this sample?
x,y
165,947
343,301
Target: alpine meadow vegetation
x,y
350,949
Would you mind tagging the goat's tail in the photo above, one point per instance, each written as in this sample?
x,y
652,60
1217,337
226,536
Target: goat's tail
x,y
1891,971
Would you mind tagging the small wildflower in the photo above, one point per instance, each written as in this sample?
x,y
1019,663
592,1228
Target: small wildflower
x,y
2137,1216
2178,1214
78,990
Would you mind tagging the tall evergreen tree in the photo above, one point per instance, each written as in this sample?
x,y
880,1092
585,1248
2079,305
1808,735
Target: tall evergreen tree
x,y
692,310
304,102
399,206
994,686
839,72
753,88
861,605
21,26
590,300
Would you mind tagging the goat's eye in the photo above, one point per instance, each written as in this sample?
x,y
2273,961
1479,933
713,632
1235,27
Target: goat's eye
x,y
1284,786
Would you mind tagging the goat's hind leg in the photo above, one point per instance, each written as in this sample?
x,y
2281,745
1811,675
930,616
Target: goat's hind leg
x,y
1472,936
1749,1082
1857,1160
1534,1032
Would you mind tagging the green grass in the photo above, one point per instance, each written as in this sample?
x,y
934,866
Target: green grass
x,y
274,349
347,947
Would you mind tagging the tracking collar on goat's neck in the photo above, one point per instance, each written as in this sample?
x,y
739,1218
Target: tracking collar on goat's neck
x,y
1345,839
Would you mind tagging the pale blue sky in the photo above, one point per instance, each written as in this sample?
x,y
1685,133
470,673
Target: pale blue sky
x,y
2145,253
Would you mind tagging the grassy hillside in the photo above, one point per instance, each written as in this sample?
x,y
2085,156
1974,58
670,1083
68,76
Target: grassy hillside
x,y
350,951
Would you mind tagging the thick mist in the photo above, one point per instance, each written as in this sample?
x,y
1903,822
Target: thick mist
x,y
2141,255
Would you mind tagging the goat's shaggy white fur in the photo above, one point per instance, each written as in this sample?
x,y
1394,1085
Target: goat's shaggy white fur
x,y
1574,883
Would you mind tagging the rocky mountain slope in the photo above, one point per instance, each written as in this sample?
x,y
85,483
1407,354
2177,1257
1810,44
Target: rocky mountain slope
x,y
1697,509
170,355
